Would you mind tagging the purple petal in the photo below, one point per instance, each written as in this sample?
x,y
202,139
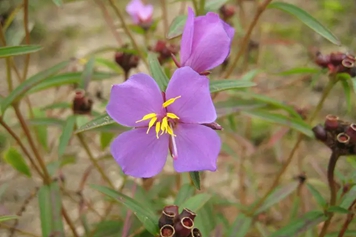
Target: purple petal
x,y
132,8
211,42
198,148
187,37
139,154
195,104
145,13
133,99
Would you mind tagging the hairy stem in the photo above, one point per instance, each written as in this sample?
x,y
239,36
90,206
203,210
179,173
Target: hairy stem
x,y
69,222
27,38
347,221
246,39
94,161
128,32
333,190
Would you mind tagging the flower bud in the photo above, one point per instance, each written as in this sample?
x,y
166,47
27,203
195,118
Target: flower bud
x,y
165,50
167,231
168,215
351,132
184,227
187,213
140,13
320,133
213,125
81,103
126,60
331,122
227,11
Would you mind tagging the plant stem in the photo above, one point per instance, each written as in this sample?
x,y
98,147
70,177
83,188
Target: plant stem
x,y
347,221
164,16
94,161
47,178
127,31
24,233
23,148
246,39
109,21
295,147
333,190
27,38
202,7
69,222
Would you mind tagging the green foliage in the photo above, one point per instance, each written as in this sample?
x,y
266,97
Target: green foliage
x,y
15,159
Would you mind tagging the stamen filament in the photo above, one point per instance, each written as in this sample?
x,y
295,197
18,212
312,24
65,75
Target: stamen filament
x,y
152,122
147,117
174,144
172,116
158,126
164,125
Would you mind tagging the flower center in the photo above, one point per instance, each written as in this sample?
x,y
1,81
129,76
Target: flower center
x,y
162,125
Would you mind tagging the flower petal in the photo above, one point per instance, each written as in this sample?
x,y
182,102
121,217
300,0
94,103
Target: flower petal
x,y
133,99
195,104
198,148
133,8
211,42
187,37
145,13
139,154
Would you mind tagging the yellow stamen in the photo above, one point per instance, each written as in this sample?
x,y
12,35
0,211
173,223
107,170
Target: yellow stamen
x,y
170,101
147,117
164,125
172,116
152,122
158,126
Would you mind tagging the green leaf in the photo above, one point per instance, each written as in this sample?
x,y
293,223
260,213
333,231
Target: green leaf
x,y
318,198
348,94
67,78
87,74
66,135
223,85
240,227
59,105
49,201
109,64
109,228
15,159
337,209
19,91
214,5
177,26
278,195
146,216
55,165
58,2
195,178
300,225
196,202
157,72
100,121
137,29
7,218
185,192
307,19
46,122
299,71
348,198
41,131
105,139
9,51
295,123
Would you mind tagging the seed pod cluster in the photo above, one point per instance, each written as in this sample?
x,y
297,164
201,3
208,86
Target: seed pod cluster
x,y
337,62
172,224
337,135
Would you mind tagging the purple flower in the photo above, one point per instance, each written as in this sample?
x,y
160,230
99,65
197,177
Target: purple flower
x,y
171,120
205,42
139,12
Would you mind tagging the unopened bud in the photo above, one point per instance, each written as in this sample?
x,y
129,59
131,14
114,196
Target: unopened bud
x,y
227,11
126,61
81,103
320,133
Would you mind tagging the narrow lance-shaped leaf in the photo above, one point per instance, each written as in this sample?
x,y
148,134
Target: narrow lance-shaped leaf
x,y
319,199
19,91
300,225
196,202
9,51
223,85
240,227
58,2
100,121
157,72
348,95
186,191
15,159
307,19
195,178
146,216
87,74
66,135
177,26
7,218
